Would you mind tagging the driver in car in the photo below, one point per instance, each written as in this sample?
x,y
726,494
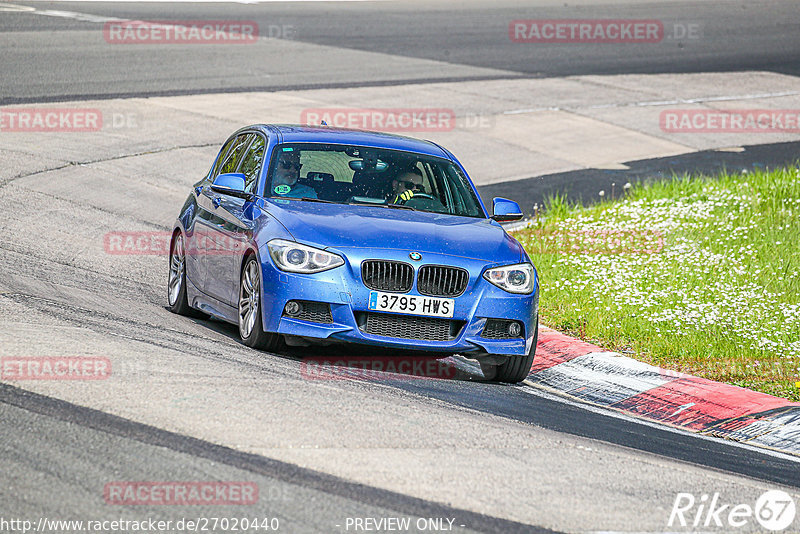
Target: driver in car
x,y
404,186
286,174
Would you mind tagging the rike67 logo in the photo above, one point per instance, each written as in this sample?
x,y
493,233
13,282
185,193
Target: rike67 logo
x,y
774,510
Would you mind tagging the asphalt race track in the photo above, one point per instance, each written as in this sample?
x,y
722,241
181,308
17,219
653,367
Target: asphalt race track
x,y
472,37
186,401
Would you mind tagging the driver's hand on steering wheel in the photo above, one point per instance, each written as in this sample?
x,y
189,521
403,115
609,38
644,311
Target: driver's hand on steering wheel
x,y
404,196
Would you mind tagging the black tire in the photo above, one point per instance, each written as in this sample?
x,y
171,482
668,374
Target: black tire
x,y
251,327
517,368
176,282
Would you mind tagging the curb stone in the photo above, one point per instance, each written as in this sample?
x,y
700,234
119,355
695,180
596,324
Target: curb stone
x,y
588,373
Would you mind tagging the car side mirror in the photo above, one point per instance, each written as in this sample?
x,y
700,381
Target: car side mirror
x,y
505,210
230,183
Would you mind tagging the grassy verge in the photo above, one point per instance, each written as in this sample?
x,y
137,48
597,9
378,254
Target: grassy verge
x,y
695,274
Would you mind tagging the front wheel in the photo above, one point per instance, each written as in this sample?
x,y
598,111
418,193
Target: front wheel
x,y
516,368
251,326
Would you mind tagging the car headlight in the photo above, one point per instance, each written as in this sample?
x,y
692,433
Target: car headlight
x,y
297,258
512,278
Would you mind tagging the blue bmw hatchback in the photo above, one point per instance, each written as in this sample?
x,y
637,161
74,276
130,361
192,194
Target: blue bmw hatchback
x,y
315,235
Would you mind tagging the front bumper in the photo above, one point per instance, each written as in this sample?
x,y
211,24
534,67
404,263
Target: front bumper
x,y
343,289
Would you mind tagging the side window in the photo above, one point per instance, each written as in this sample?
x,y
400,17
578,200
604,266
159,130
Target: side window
x,y
463,195
251,164
235,153
220,159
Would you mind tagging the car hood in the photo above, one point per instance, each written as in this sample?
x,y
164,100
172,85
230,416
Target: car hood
x,y
349,226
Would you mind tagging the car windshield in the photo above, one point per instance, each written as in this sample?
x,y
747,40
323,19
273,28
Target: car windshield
x,y
378,177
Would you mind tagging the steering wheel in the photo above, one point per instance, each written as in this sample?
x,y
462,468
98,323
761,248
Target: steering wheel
x,y
417,195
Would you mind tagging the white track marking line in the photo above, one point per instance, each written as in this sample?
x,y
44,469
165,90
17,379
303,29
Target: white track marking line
x,y
84,17
15,8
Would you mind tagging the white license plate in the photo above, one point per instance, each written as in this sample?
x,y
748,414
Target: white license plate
x,y
411,304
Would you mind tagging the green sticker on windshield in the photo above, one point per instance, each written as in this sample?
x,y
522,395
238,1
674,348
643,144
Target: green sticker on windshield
x,y
283,189
288,149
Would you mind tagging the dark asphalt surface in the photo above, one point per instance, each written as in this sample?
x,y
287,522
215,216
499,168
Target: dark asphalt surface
x,y
731,35
57,458
530,407
58,466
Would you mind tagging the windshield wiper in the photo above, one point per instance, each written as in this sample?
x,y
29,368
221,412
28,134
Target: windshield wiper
x,y
400,207
309,199
380,204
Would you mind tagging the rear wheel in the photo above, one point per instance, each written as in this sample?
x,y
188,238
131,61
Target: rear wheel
x,y
251,326
176,284
516,368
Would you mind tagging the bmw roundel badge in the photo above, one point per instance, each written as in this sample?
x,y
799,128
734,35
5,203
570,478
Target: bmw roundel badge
x,y
416,256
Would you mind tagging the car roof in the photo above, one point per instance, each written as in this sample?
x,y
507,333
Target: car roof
x,y
293,133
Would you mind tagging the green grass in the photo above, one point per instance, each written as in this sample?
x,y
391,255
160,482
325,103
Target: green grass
x,y
694,274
